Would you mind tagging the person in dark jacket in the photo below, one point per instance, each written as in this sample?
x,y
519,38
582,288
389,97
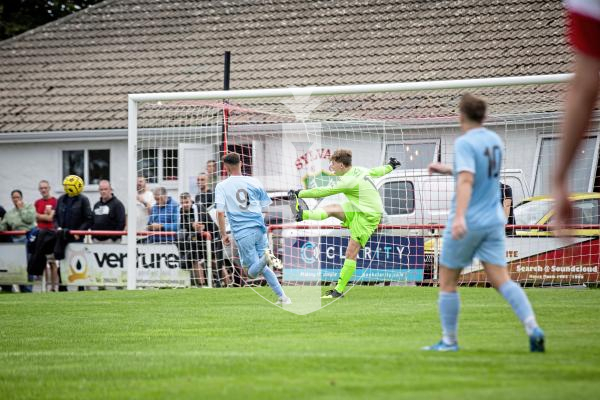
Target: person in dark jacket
x,y
72,213
7,239
4,238
108,214
205,196
506,199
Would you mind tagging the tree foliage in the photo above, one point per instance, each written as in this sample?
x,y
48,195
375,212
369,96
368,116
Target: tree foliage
x,y
18,16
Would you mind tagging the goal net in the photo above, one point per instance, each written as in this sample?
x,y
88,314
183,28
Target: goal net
x,y
285,138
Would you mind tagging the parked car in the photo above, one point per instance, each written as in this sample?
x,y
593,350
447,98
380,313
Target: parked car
x,y
538,210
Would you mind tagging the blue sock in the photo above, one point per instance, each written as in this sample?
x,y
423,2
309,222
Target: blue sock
x,y
516,297
449,306
257,268
272,281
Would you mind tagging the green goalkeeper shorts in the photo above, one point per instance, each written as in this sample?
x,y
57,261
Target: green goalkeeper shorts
x,y
361,224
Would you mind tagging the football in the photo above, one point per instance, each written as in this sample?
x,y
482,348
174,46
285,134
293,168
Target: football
x,y
73,185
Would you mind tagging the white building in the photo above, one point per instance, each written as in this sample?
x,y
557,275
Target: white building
x,y
64,86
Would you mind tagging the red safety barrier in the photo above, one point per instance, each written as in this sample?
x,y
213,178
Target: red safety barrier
x,y
430,226
205,234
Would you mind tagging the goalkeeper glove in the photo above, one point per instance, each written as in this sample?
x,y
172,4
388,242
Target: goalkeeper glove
x,y
393,162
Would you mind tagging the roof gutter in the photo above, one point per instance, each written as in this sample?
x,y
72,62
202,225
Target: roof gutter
x,y
64,136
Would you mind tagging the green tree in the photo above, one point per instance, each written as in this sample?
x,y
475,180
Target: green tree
x,y
18,16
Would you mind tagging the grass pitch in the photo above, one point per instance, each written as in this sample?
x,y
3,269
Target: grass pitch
x,y
230,343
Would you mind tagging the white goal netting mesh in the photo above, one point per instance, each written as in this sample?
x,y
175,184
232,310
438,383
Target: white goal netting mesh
x,y
286,143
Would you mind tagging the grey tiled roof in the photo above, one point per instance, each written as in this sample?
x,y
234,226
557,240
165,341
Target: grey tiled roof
x,y
75,73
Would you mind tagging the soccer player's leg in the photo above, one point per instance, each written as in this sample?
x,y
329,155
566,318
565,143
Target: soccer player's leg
x,y
456,254
361,228
492,255
346,272
449,308
261,246
319,214
302,213
249,257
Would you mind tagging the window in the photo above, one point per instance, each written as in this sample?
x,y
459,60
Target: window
x,y
398,197
91,165
147,165
581,174
98,165
73,162
412,154
158,165
169,164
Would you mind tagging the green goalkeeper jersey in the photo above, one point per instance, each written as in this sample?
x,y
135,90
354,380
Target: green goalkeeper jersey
x,y
358,187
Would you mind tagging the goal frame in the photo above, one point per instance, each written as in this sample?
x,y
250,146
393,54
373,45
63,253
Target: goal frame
x,y
137,98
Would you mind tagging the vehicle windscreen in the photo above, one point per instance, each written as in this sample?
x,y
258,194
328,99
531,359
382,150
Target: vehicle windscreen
x,y
531,212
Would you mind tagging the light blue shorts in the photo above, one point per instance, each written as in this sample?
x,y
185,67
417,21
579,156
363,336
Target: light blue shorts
x,y
252,247
488,245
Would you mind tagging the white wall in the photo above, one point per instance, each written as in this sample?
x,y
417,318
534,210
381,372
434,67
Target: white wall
x,y
23,165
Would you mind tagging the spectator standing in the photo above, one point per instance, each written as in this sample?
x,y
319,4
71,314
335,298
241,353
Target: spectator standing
x,y
212,172
163,217
73,212
583,23
144,195
20,218
506,199
108,214
45,207
190,242
225,279
4,239
144,203
205,194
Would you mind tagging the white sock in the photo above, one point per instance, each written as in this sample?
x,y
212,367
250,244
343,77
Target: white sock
x,y
530,324
449,339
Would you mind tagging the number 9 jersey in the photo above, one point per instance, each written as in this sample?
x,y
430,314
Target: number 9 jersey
x,y
480,152
243,199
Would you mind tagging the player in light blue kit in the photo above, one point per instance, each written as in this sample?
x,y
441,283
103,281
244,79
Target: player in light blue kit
x,y
475,226
243,199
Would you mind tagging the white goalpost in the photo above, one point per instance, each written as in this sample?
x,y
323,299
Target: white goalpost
x,y
285,137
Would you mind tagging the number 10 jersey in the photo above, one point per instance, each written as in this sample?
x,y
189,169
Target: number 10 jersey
x,y
480,152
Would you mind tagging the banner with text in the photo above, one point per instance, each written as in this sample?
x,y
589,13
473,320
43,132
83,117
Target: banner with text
x,y
106,265
384,258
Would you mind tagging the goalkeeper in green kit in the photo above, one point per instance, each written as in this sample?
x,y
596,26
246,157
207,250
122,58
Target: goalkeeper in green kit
x,y
361,213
